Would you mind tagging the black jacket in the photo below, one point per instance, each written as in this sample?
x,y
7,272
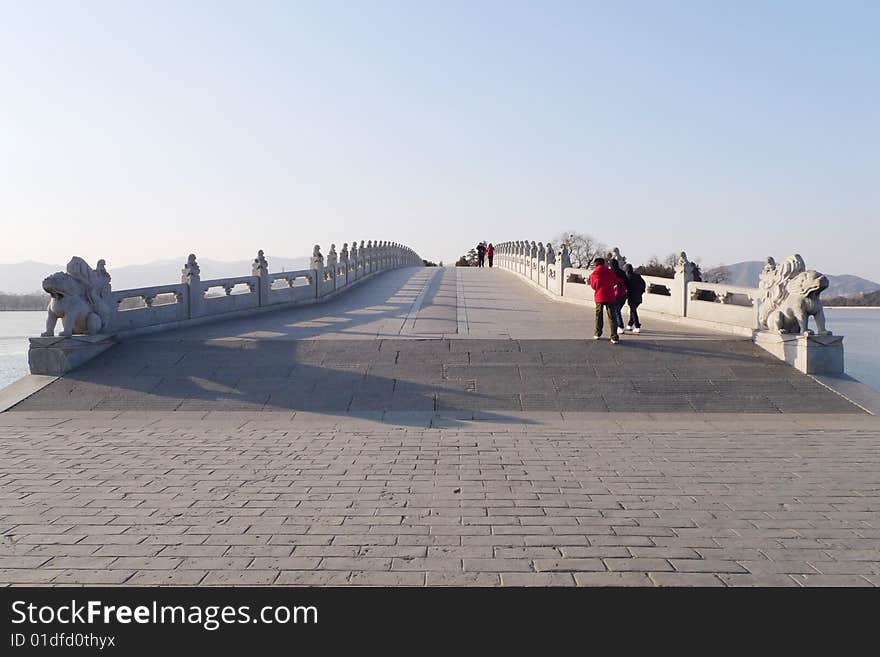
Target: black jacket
x,y
635,287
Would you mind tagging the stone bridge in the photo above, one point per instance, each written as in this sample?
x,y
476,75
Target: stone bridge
x,y
433,426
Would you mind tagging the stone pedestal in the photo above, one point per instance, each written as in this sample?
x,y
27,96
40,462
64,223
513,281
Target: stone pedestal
x,y
58,355
811,354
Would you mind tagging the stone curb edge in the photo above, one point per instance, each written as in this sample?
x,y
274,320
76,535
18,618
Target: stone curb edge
x,y
19,390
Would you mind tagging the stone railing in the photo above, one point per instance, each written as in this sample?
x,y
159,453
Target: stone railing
x,y
730,305
93,317
775,315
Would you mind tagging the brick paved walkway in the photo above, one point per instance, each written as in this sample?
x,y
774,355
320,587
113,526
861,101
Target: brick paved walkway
x,y
278,498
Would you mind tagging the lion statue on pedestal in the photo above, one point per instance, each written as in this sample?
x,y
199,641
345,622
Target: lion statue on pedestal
x,y
790,296
80,299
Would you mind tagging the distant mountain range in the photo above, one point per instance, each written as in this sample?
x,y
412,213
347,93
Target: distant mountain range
x,y
844,285
26,277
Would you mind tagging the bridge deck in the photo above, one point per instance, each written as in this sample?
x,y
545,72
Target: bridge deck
x,y
326,446
436,340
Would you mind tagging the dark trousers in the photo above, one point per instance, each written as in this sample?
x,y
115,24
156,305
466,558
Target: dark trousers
x,y
634,313
619,315
611,310
481,257
491,258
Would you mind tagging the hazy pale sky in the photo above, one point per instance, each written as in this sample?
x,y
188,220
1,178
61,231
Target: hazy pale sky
x,y
138,131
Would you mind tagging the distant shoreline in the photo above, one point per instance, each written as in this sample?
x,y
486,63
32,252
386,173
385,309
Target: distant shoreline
x,y
852,307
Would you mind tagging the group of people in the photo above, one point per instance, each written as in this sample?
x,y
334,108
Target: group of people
x,y
484,252
613,288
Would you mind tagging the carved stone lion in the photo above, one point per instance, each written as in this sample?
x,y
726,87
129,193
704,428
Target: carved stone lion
x,y
80,299
801,302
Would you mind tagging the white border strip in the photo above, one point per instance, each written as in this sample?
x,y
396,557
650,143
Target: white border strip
x,y
409,325
461,318
861,387
21,389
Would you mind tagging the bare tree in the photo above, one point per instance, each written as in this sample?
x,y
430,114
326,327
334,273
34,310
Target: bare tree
x,y
656,267
666,268
583,248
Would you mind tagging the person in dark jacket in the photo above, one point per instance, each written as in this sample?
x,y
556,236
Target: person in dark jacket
x,y
635,290
481,254
604,282
621,290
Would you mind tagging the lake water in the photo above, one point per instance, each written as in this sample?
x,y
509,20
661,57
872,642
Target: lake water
x,y
861,326
16,326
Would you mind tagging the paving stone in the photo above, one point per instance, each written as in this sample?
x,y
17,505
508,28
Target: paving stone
x,y
359,563
313,578
27,575
832,580
497,565
706,566
284,563
613,579
372,578
686,579
537,579
767,567
569,565
751,580
87,576
166,578
239,578
635,564
463,579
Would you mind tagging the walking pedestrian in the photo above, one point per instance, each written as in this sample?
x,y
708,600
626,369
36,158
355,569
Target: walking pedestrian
x,y
490,253
635,290
621,290
481,254
604,283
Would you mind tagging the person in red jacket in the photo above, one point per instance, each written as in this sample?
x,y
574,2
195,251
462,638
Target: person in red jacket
x,y
490,253
621,291
606,285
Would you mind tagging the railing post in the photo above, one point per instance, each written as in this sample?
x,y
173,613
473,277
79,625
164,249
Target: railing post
x,y
342,267
317,266
542,264
563,262
332,260
353,260
553,283
533,262
684,274
260,267
190,275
